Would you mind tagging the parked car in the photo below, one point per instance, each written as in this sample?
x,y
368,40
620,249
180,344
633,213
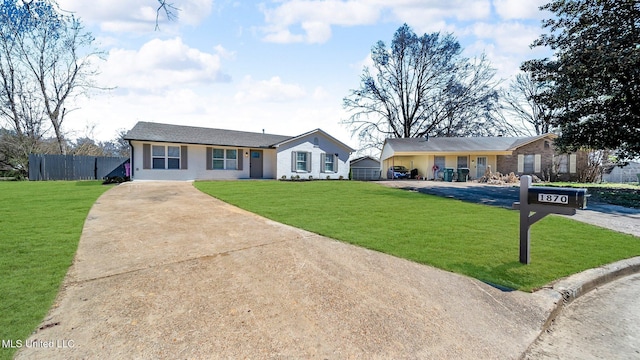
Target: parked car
x,y
398,172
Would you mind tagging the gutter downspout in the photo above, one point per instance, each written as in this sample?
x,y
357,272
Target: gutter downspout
x,y
131,160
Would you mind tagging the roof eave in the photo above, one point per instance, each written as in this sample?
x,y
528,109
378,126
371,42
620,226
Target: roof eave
x,y
200,143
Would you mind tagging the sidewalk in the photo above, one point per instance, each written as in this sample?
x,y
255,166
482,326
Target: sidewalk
x,y
164,271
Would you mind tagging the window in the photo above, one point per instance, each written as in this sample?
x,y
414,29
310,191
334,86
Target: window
x,y
225,159
329,163
462,162
173,157
231,159
529,164
165,157
563,164
300,161
158,156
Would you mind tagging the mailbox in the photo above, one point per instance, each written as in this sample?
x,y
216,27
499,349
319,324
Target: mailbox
x,y
563,197
543,201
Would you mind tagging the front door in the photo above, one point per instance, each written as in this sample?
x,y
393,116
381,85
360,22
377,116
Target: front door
x,y
255,164
481,167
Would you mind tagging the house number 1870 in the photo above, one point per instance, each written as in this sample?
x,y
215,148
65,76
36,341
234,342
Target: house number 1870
x,y
553,198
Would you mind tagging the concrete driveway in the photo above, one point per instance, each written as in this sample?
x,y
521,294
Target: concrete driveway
x,y
617,218
164,271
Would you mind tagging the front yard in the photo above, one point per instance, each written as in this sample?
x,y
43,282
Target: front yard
x,y
41,223
40,226
475,240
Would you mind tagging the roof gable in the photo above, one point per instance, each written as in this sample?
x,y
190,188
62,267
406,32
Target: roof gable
x,y
365,160
148,131
316,131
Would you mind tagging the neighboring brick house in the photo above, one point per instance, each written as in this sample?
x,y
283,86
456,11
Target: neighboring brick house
x,y
534,155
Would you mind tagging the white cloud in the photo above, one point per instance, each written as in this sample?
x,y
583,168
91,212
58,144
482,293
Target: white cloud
x,y
160,64
272,90
511,37
518,9
507,45
422,13
320,94
135,15
315,18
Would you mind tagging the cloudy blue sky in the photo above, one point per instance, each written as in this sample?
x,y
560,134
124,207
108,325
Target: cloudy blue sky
x,y
282,66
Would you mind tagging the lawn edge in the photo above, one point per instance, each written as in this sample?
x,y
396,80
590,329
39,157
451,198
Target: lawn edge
x,y
566,290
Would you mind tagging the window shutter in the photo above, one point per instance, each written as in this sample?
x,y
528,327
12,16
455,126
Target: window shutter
x,y
536,163
572,163
183,157
293,161
335,163
520,163
146,156
240,158
323,160
309,162
209,158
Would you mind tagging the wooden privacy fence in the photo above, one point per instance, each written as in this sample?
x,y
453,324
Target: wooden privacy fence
x,y
72,167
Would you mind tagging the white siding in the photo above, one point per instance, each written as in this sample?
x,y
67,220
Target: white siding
x,y
306,144
197,165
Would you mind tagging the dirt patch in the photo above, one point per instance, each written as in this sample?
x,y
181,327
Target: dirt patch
x,y
164,271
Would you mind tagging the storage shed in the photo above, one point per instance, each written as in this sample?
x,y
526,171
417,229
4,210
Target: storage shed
x,y
365,168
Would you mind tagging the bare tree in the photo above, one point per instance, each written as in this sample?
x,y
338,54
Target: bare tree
x,y
521,104
170,12
46,61
421,86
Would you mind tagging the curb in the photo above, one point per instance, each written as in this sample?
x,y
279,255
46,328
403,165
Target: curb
x,y
565,291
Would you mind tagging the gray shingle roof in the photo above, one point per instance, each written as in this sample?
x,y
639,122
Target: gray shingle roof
x,y
460,144
148,131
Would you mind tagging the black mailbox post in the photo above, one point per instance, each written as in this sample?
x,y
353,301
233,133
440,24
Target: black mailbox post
x,y
543,201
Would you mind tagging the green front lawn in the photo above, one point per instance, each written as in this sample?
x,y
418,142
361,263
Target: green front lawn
x,y
40,225
475,240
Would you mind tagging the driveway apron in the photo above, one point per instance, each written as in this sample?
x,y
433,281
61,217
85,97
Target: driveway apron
x,y
165,271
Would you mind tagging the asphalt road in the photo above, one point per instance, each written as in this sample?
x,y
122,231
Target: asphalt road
x,y
603,324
